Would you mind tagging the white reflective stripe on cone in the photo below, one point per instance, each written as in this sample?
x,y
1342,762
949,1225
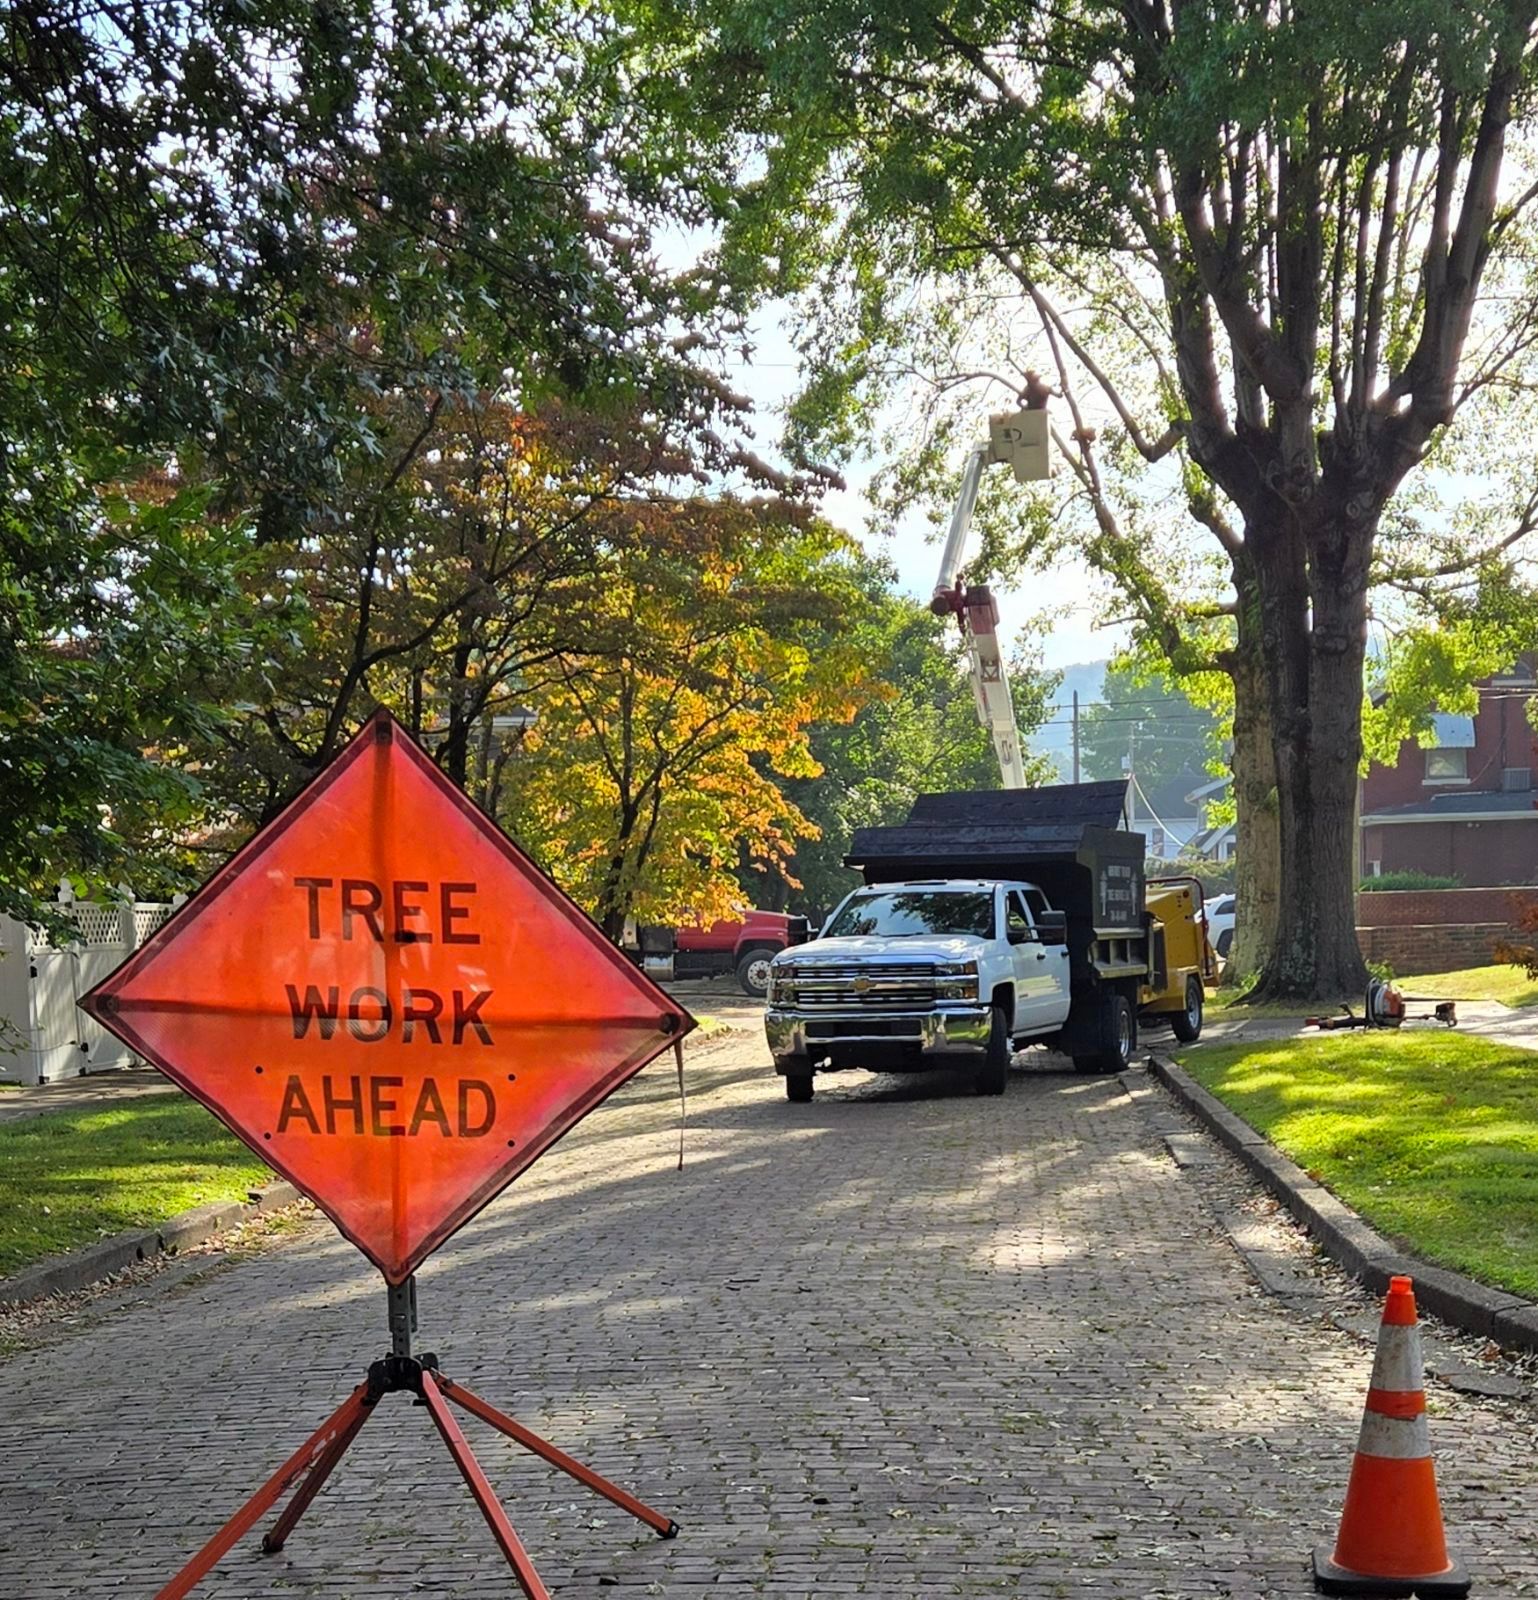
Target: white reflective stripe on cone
x,y
1397,1365
1398,1438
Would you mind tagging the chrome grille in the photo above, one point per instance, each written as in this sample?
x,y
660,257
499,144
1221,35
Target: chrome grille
x,y
904,984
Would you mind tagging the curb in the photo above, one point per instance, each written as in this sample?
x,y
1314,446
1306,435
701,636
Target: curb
x,y
78,1269
1344,1237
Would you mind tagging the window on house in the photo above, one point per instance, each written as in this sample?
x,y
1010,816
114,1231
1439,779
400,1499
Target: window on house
x,y
1444,766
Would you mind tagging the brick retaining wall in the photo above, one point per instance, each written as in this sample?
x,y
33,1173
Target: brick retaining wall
x,y
1437,930
1403,908
1432,947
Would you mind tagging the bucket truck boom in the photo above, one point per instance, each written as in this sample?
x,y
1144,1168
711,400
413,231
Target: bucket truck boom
x,y
1020,439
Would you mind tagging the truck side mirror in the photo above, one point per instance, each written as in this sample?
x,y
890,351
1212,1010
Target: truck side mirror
x,y
1052,926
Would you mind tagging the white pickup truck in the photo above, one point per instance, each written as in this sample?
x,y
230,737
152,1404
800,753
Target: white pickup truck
x,y
929,973
989,919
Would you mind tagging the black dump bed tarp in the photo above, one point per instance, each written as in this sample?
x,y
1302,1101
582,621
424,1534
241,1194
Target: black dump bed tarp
x,y
1059,806
1067,838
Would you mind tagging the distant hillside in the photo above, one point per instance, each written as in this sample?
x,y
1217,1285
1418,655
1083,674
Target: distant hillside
x,y
1055,738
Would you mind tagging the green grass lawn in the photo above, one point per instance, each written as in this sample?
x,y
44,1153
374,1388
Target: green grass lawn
x,y
1510,985
70,1177
1432,1137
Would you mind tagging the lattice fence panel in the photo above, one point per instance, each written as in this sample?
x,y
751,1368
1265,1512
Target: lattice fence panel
x,y
98,924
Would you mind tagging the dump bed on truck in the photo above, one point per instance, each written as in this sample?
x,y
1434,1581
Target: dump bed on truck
x,y
1067,838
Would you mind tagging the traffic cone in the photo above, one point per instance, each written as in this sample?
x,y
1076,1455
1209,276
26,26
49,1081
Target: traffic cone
x,y
1391,1540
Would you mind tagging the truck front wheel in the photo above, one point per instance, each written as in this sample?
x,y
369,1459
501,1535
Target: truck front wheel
x,y
1188,1023
1117,1038
798,1086
993,1074
753,972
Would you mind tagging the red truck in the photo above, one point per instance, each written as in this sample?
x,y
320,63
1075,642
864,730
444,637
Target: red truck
x,y
743,948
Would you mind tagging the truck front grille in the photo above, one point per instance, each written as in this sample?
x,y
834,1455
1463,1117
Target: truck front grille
x,y
884,987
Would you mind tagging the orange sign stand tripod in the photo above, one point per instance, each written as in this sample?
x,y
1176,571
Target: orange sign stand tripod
x,y
317,1458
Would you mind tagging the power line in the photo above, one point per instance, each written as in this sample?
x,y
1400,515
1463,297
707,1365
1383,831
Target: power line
x,y
1140,700
1151,707
1142,795
1108,722
1136,700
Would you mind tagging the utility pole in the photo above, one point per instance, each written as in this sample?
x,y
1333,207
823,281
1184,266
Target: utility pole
x,y
1075,735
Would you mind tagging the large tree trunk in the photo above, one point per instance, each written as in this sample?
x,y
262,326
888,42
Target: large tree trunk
x,y
1257,860
1314,621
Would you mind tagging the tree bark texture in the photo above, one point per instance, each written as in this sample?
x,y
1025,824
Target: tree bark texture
x,y
1313,613
1257,862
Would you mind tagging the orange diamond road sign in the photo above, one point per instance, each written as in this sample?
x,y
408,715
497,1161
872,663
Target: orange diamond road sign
x,y
388,1001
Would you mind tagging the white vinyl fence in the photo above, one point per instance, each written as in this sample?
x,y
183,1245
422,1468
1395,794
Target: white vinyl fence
x,y
44,1035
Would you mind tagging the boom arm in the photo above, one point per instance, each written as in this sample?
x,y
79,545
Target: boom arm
x,y
975,610
990,683
961,525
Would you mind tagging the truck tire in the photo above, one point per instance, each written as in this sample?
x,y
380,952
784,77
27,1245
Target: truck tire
x,y
798,1084
753,971
1116,1029
1188,1023
993,1074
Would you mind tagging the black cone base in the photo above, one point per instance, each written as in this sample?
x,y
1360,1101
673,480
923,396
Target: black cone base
x,y
1330,1579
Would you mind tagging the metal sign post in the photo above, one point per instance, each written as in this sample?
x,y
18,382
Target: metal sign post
x,y
392,1006
317,1458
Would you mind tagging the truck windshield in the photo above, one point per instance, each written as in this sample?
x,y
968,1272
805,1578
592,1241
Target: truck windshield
x,y
914,912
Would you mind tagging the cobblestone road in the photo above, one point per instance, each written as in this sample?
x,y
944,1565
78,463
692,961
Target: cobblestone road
x,y
900,1342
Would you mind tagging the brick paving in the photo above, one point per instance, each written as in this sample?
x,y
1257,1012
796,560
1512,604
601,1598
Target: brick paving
x,y
900,1342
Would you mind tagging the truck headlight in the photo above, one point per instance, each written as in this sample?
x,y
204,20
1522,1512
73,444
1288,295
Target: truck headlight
x,y
781,983
956,989
956,980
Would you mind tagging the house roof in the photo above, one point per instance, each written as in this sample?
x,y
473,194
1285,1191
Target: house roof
x,y
1461,805
1212,786
1209,839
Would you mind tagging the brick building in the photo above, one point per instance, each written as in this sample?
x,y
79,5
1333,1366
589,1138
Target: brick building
x,y
1467,808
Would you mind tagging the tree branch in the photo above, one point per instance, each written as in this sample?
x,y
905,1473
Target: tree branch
x,y
1150,450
